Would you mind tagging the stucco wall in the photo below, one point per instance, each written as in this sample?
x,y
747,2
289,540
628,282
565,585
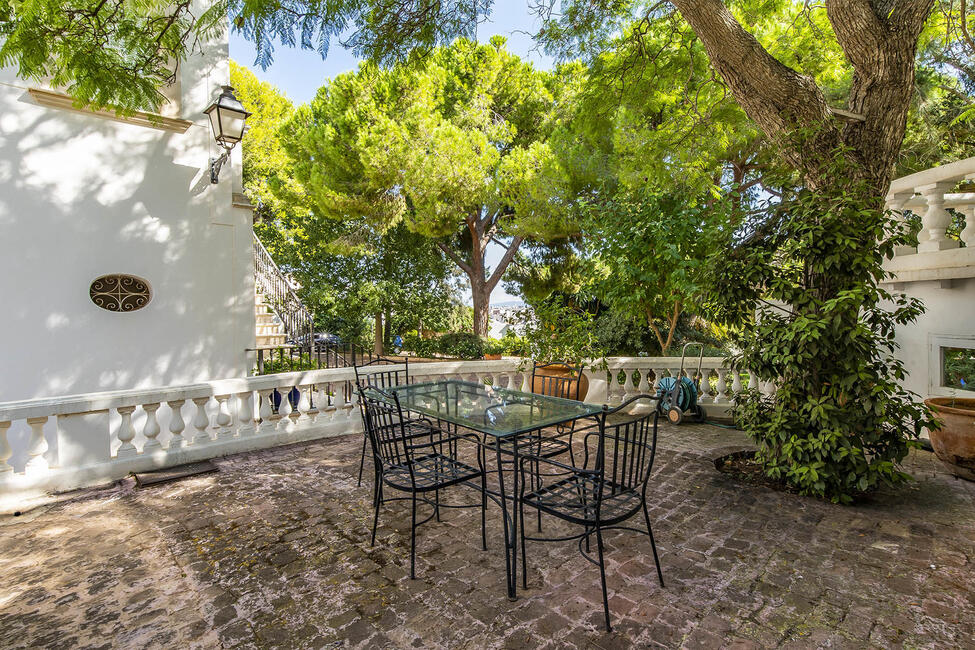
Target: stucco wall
x,y
82,196
950,312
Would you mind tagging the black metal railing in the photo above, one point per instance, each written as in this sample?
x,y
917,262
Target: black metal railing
x,y
288,358
280,295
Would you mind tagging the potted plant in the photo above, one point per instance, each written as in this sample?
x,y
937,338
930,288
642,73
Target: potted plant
x,y
954,439
493,349
562,334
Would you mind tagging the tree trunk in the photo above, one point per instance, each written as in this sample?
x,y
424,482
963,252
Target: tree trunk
x,y
476,270
377,347
481,297
880,40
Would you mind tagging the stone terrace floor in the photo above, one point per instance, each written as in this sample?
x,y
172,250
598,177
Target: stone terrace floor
x,y
273,551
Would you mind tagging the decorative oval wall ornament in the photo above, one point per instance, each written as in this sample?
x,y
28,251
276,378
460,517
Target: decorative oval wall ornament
x,y
120,292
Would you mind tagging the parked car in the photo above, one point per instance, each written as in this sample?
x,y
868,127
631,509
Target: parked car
x,y
322,340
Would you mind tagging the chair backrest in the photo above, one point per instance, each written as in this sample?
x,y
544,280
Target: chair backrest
x,y
557,379
383,419
377,373
625,449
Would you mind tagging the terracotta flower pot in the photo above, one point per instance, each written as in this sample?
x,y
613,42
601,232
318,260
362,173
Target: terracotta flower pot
x,y
954,442
541,387
492,357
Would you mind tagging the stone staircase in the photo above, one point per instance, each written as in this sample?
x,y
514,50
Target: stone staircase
x,y
270,329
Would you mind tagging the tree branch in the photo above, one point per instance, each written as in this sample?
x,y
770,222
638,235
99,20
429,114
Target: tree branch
x,y
465,267
780,100
503,264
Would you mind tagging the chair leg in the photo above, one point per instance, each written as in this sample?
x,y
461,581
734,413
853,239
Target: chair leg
x,y
524,556
377,501
413,539
538,472
436,504
602,575
653,544
362,461
483,510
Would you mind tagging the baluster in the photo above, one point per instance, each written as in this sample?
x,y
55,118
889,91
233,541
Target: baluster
x,y
285,409
658,374
201,421
735,385
721,386
304,404
224,418
752,380
37,446
151,428
126,432
339,402
267,411
644,386
526,381
245,412
768,388
705,384
968,234
628,386
895,203
936,219
176,424
6,451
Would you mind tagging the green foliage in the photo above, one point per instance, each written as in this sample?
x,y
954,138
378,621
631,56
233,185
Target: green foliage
x,y
648,250
959,368
457,345
114,54
453,147
265,162
461,345
291,363
494,346
556,330
839,422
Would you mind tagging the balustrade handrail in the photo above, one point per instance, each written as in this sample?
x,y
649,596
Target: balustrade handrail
x,y
274,284
86,402
101,437
956,171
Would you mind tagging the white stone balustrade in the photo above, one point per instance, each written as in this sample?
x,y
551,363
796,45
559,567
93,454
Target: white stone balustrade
x,y
929,194
101,437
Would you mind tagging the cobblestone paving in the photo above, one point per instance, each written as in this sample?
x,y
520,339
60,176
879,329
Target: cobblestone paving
x,y
273,551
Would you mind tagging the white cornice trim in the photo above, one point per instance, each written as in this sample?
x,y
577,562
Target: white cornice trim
x,y
61,101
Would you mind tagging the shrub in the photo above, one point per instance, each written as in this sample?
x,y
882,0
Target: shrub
x,y
463,345
494,346
839,422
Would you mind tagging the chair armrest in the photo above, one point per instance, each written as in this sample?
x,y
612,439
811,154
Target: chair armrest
x,y
548,461
440,441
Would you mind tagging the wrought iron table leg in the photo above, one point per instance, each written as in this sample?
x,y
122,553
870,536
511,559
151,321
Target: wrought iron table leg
x,y
510,531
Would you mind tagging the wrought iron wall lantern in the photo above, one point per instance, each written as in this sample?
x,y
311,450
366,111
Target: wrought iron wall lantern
x,y
227,119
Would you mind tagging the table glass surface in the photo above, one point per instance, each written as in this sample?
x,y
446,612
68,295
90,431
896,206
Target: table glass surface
x,y
495,411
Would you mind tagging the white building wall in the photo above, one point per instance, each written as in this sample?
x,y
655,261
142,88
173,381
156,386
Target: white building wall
x,y
948,319
83,196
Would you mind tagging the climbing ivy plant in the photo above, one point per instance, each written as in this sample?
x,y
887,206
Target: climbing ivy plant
x,y
801,291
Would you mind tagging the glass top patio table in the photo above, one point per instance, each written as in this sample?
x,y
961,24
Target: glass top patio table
x,y
492,410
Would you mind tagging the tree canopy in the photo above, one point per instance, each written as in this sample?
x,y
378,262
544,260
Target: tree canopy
x,y
348,271
453,147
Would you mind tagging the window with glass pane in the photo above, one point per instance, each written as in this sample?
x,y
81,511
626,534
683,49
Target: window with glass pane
x,y
958,368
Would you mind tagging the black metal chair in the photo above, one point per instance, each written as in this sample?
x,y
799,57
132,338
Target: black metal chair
x,y
609,488
416,461
377,373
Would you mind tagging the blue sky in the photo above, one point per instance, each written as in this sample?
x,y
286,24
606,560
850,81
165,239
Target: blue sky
x,y
299,73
